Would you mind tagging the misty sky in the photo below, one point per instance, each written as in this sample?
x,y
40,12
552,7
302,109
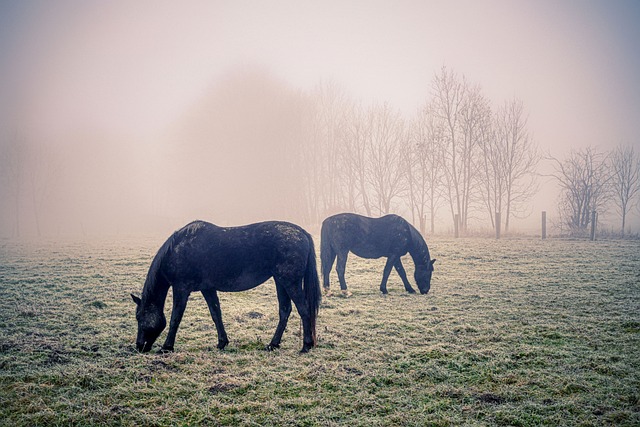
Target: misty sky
x,y
133,70
133,67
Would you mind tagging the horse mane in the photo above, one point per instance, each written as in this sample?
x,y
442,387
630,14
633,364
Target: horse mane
x,y
419,249
154,270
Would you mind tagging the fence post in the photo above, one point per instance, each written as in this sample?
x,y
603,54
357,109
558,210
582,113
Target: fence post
x,y
497,225
593,225
544,225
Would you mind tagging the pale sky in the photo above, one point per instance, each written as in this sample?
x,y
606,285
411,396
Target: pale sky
x,y
132,66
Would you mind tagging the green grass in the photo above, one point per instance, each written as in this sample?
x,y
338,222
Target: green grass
x,y
516,332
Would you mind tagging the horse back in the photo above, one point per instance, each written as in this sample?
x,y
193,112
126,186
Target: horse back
x,y
233,259
367,237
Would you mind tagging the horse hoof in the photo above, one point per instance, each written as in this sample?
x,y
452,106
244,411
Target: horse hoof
x,y
165,350
222,344
272,347
327,292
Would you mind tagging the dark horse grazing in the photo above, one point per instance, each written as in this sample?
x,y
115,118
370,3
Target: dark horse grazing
x,y
207,258
390,236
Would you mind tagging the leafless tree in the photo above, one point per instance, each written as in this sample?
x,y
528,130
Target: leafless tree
x,y
462,111
355,136
384,156
625,164
517,157
331,104
424,167
585,180
448,99
321,152
492,172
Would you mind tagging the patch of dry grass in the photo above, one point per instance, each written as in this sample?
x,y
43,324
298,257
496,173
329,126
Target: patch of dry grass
x,y
513,332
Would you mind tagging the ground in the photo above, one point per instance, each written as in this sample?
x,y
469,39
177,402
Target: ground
x,y
514,332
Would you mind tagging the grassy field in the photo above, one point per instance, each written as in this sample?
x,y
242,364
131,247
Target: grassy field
x,y
513,332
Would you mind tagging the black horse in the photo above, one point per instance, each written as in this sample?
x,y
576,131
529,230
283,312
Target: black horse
x,y
207,258
389,236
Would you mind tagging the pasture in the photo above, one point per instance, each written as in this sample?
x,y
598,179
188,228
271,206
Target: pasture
x,y
514,332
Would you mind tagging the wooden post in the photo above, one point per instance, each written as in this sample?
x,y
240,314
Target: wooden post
x,y
544,225
593,225
456,224
497,225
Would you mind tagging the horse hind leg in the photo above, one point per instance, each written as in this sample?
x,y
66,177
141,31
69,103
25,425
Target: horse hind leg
x,y
328,257
284,310
211,296
341,268
297,295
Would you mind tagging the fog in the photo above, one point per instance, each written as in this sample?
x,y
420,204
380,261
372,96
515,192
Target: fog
x,y
137,117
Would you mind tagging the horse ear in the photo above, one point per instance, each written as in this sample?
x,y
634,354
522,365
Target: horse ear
x,y
137,300
433,261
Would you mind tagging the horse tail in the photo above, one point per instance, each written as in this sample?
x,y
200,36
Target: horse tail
x,y
326,253
312,292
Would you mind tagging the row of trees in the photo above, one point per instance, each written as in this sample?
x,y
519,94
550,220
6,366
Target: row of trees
x,y
255,149
457,153
593,180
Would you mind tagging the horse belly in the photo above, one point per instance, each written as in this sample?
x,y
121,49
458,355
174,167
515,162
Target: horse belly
x,y
367,252
372,251
243,282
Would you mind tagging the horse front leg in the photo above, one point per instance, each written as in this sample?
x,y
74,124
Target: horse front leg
x,y
385,274
284,310
211,296
403,276
179,304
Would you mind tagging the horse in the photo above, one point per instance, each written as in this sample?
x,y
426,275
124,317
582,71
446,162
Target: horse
x,y
390,236
204,257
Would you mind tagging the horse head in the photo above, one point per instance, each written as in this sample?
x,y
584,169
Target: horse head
x,y
423,274
151,322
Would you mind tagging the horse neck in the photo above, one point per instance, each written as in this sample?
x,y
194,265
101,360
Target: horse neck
x,y
155,292
156,287
419,252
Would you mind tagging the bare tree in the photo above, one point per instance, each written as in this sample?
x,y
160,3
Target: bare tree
x,y
424,167
384,156
518,155
321,151
626,180
585,180
355,137
462,111
492,172
448,99
331,106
